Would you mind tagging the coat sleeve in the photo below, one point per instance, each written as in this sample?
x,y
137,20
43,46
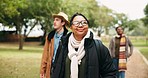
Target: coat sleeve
x,y
131,47
44,57
111,46
107,68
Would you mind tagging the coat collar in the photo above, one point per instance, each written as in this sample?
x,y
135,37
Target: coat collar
x,y
51,34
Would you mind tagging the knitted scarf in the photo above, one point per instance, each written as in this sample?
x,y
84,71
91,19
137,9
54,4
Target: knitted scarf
x,y
122,58
76,56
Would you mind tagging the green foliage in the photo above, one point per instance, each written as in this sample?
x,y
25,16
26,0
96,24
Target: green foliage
x,y
18,13
120,19
42,11
146,10
105,18
11,9
137,29
145,19
98,15
87,7
132,24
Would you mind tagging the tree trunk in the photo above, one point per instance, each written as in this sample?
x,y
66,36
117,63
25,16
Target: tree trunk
x,y
21,38
99,33
146,40
106,30
21,42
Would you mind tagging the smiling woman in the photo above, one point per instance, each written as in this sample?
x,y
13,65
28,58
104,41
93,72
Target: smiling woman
x,y
79,57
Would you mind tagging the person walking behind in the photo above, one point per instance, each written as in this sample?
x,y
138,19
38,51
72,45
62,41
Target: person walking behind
x,y
81,56
52,43
119,51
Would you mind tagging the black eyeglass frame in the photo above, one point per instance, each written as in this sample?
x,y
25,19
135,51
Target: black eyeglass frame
x,y
77,23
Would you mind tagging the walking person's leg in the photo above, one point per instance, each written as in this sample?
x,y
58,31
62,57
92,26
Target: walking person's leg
x,y
122,74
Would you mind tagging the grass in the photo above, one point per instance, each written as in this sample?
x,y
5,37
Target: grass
x,y
144,51
20,64
140,43
142,46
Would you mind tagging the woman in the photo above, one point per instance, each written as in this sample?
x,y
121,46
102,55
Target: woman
x,y
119,51
79,57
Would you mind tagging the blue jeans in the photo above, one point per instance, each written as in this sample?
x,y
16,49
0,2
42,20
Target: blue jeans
x,y
120,74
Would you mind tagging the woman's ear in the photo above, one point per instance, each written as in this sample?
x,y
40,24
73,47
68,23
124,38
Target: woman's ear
x,y
71,28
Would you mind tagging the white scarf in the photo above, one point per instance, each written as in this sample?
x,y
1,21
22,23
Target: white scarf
x,y
76,56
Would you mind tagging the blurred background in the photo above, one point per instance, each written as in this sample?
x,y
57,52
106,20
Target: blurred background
x,y
25,23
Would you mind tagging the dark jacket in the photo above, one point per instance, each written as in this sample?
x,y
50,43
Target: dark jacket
x,y
99,64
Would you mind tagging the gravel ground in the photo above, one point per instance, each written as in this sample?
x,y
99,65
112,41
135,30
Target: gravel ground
x,y
136,66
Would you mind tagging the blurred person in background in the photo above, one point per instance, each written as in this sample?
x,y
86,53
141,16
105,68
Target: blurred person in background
x,y
119,51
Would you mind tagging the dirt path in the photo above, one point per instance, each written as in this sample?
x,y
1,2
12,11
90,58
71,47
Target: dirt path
x,y
136,66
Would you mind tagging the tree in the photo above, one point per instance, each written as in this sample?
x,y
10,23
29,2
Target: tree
x,y
122,20
42,11
132,24
13,14
19,12
140,26
105,18
145,20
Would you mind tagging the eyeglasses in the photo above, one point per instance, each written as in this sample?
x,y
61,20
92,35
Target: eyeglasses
x,y
77,23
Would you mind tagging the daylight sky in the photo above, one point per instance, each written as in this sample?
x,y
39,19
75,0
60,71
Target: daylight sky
x,y
134,9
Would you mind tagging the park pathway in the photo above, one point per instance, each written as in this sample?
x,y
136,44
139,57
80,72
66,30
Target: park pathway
x,y
136,66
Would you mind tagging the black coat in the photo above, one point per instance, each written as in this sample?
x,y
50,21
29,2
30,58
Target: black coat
x,y
99,64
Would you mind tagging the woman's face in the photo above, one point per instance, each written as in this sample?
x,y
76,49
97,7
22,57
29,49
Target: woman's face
x,y
79,27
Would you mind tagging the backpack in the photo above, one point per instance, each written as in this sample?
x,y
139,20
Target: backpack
x,y
99,46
